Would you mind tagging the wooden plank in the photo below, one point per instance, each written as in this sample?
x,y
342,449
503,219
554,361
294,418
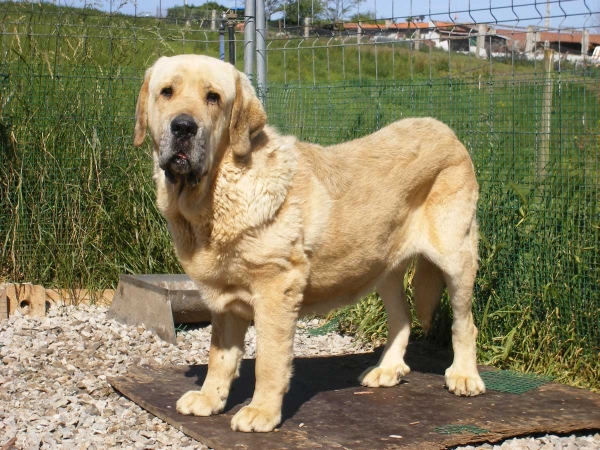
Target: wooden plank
x,y
3,304
327,408
30,299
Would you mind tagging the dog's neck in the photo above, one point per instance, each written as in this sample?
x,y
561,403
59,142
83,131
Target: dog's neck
x,y
239,194
248,194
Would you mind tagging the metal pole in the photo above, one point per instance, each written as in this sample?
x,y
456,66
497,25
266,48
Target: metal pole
x,y
213,20
230,25
261,50
249,37
222,37
547,43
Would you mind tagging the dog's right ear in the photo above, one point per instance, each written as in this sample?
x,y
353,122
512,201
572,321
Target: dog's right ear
x,y
141,112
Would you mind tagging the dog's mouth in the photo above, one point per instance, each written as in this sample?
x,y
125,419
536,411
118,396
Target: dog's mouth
x,y
182,167
180,164
182,151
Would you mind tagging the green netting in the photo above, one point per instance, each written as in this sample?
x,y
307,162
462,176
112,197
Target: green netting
x,y
461,429
331,326
512,382
77,201
539,232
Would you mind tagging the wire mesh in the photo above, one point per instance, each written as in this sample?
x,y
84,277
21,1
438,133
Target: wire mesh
x,y
461,429
512,382
529,117
77,203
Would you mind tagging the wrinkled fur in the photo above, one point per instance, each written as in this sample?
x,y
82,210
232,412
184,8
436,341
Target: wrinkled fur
x,y
278,228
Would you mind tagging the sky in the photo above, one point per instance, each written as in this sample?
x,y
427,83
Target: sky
x,y
563,13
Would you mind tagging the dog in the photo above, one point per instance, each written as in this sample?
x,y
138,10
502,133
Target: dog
x,y
271,228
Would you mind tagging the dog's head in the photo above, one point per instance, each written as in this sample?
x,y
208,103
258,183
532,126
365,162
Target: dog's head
x,y
193,107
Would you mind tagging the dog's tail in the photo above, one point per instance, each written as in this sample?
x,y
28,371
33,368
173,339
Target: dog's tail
x,y
428,283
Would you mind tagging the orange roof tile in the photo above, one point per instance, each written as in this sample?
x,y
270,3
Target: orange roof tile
x,y
551,36
410,25
364,26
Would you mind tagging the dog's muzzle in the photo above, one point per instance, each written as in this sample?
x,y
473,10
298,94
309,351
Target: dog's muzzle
x,y
183,152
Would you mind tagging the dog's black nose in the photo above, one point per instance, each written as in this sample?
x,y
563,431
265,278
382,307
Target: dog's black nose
x,y
184,126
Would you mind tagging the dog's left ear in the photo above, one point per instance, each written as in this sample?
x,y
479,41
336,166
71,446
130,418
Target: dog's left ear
x,y
248,116
141,112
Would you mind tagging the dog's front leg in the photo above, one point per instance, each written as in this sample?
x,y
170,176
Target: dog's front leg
x,y
275,320
226,351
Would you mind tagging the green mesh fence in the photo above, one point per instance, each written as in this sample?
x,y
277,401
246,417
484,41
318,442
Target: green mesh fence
x,y
512,382
539,233
461,429
329,327
77,201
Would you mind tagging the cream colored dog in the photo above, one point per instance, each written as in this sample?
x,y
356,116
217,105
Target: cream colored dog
x,y
271,228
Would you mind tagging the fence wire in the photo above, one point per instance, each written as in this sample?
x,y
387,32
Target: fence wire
x,y
77,201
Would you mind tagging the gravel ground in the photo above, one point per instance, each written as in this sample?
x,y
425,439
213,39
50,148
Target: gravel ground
x,y
54,394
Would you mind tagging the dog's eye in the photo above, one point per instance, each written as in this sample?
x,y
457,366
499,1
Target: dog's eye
x,y
166,92
213,98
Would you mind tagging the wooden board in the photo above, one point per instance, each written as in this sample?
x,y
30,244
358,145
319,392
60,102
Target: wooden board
x,y
327,408
3,304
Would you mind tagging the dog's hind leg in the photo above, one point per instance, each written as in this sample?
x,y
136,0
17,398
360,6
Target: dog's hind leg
x,y
428,284
462,377
391,367
459,268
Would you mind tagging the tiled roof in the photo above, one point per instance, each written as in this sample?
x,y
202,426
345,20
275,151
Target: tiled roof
x,y
551,36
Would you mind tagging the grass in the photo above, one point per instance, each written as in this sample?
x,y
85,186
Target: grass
x,y
536,296
77,201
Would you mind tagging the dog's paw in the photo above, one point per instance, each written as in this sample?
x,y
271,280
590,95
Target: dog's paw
x,y
464,384
200,404
377,376
251,418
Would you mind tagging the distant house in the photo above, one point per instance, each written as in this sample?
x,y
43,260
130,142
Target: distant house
x,y
445,35
482,39
397,31
565,41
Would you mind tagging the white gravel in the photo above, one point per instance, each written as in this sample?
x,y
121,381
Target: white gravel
x,y
54,394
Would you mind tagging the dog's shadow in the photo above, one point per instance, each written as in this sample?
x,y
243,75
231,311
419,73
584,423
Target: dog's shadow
x,y
313,375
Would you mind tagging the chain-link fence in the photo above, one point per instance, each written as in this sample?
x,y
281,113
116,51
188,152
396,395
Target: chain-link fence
x,y
77,201
522,93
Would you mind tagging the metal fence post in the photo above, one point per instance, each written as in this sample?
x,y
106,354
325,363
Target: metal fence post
x,y
231,36
261,51
222,38
359,32
543,157
249,37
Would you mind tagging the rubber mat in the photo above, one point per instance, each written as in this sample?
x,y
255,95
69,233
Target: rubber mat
x,y
326,408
